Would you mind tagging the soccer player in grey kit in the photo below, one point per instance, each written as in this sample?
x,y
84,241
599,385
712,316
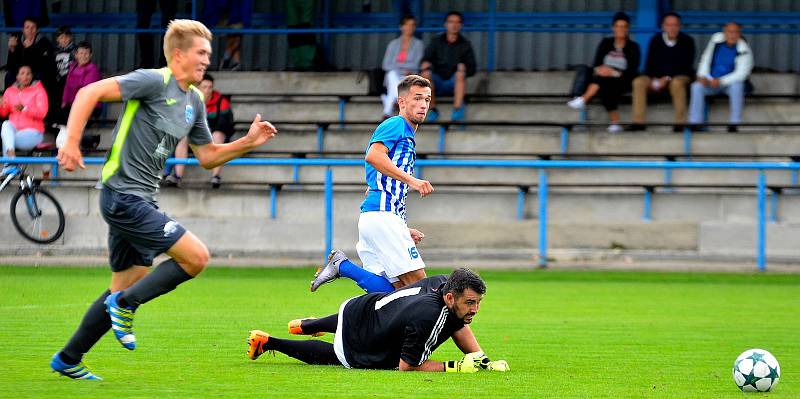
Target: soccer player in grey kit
x,y
161,106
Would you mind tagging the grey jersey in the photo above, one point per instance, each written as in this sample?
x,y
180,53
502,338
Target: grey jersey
x,y
157,114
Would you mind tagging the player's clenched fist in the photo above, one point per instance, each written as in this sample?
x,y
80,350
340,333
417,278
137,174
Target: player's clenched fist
x,y
423,186
69,156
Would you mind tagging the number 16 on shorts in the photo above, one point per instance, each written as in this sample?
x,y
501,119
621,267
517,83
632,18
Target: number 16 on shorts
x,y
412,252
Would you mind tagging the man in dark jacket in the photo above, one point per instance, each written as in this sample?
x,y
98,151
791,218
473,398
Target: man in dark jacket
x,y
34,50
669,66
448,61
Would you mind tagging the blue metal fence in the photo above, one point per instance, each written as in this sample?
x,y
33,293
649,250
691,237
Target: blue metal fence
x,y
541,165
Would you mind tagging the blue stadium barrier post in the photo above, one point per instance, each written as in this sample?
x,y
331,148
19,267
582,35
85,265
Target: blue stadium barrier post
x,y
522,192
296,173
687,142
761,257
342,108
194,10
54,170
564,139
273,202
320,138
542,217
773,206
328,211
647,211
442,138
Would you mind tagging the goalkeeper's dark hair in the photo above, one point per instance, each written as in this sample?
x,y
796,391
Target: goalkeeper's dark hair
x,y
411,80
461,279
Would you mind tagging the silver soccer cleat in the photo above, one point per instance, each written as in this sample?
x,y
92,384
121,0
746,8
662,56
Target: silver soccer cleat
x,y
330,271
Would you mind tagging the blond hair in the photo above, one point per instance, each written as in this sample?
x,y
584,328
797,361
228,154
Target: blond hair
x,y
181,34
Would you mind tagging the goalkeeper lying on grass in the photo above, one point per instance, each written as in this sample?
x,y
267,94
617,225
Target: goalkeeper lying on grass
x,y
397,330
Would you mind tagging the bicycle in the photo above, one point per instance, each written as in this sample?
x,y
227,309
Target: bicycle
x,y
33,216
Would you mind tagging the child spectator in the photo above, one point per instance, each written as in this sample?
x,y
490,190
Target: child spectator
x,y
64,53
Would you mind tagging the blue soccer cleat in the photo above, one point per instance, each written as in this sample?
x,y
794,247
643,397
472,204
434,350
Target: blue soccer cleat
x,y
75,371
121,321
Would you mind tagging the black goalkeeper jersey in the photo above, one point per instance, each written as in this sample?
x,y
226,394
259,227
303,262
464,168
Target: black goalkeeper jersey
x,y
380,329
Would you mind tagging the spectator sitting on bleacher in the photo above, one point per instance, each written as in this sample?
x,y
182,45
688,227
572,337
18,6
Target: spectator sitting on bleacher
x,y
25,104
239,15
81,73
220,121
616,62
401,59
448,61
724,67
33,50
669,66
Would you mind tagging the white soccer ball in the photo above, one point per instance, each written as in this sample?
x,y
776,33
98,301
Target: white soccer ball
x,y
756,370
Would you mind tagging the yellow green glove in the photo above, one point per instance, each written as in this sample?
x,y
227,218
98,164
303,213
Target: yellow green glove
x,y
484,363
465,365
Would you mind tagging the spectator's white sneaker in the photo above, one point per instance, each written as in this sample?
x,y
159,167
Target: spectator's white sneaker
x,y
614,128
577,103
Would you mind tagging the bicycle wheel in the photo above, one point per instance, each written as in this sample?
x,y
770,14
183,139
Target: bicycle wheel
x,y
38,217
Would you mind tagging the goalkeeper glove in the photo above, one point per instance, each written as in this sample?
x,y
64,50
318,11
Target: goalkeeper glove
x,y
484,363
465,365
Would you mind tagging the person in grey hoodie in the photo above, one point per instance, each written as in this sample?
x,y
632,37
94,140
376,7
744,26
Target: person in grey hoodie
x,y
724,67
401,59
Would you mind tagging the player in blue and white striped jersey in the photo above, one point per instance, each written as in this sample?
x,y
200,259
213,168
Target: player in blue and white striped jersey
x,y
386,246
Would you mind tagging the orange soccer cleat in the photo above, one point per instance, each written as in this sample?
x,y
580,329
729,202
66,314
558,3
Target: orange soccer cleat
x,y
296,328
256,343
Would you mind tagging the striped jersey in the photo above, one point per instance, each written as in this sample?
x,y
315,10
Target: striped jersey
x,y
385,193
379,329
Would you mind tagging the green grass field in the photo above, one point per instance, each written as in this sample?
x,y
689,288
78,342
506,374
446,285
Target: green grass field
x,y
565,334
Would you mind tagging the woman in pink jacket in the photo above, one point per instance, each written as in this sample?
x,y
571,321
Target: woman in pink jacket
x,y
26,102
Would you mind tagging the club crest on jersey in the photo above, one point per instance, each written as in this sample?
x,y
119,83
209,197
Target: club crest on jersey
x,y
189,114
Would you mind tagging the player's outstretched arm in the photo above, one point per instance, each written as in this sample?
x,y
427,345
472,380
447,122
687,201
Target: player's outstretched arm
x,y
212,155
378,157
69,155
467,364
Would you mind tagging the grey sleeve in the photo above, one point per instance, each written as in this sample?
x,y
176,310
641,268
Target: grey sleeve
x,y
200,133
141,83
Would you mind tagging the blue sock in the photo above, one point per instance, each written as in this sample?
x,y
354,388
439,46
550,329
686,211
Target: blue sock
x,y
365,279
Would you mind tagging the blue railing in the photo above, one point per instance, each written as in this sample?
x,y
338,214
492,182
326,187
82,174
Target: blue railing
x,y
541,166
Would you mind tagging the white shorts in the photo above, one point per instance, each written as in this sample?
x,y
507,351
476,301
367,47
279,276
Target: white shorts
x,y
385,245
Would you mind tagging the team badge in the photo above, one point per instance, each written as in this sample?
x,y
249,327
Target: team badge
x,y
189,113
